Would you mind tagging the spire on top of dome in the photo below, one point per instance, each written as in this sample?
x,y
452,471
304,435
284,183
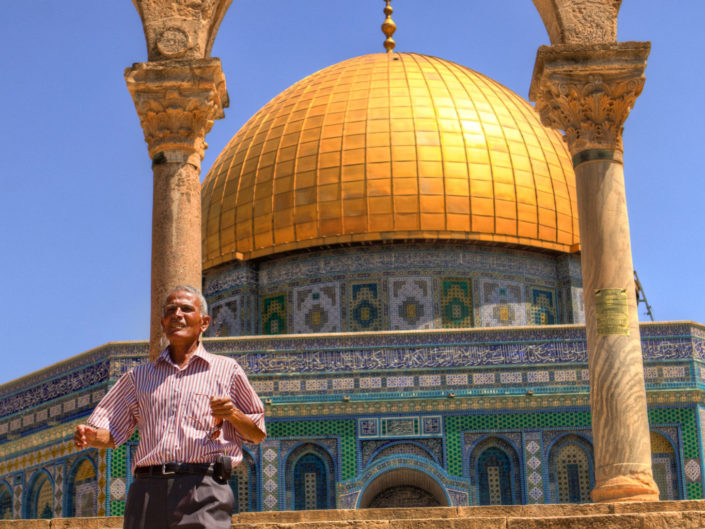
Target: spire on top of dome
x,y
389,27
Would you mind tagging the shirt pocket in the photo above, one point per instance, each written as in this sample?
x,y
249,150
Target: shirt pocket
x,y
198,417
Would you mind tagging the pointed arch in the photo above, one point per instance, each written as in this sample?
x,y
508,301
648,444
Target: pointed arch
x,y
403,486
39,498
495,473
310,478
571,474
664,463
82,497
5,501
243,483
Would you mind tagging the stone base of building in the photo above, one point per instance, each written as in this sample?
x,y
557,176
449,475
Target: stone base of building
x,y
631,515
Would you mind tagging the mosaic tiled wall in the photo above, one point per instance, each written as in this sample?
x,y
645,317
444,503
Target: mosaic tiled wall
x,y
226,318
416,441
399,406
571,306
395,287
232,294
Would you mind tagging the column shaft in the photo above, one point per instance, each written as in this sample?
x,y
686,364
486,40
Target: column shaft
x,y
587,91
177,102
617,392
176,237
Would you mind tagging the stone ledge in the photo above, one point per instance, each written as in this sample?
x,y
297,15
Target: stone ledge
x,y
632,515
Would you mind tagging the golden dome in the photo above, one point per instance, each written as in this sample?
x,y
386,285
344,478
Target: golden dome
x,y
390,146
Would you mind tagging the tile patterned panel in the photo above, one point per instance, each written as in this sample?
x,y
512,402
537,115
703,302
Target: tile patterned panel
x,y
533,467
365,307
317,309
270,474
543,306
225,318
274,314
410,303
502,303
367,270
344,429
456,303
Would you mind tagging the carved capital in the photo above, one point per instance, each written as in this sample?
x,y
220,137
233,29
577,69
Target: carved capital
x,y
588,92
177,104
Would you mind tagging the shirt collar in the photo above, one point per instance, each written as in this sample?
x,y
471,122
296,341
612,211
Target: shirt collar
x,y
200,352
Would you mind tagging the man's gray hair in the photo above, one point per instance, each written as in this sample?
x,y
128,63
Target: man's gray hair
x,y
195,292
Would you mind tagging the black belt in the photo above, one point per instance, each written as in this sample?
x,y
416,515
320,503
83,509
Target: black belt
x,y
170,469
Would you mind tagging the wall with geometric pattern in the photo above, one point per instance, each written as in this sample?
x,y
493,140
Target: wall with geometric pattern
x,y
477,416
394,287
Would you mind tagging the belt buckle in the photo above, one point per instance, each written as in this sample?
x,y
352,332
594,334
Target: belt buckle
x,y
165,472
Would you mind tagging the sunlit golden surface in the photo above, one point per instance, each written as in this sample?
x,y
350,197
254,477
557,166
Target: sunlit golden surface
x,y
389,147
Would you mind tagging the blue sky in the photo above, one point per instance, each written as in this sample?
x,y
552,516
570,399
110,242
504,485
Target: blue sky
x,y
75,178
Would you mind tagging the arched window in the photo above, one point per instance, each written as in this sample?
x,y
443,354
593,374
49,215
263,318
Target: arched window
x,y
5,502
40,498
570,464
242,482
310,478
663,463
310,483
83,489
494,477
495,473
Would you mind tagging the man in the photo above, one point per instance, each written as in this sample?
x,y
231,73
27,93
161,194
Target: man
x,y
193,410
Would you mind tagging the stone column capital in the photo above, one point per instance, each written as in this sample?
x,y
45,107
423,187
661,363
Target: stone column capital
x,y
177,103
587,91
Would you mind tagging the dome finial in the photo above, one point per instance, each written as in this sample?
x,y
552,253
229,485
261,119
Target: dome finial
x,y
389,27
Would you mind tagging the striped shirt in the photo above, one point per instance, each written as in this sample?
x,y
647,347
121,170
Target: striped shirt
x,y
171,407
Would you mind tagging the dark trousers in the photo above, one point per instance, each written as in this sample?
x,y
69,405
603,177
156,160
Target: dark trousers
x,y
183,501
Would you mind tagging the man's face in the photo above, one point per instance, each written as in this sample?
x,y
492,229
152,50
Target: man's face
x,y
182,322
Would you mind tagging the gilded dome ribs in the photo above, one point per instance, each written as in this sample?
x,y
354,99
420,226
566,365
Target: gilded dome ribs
x,y
389,147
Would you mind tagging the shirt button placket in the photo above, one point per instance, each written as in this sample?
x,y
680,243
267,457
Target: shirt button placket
x,y
173,403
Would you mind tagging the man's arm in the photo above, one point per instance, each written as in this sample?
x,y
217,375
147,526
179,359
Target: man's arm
x,y
84,435
113,420
224,409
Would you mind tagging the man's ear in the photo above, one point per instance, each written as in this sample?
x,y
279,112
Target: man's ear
x,y
205,322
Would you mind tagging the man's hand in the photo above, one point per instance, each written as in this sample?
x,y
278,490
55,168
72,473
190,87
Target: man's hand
x,y
84,435
222,408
